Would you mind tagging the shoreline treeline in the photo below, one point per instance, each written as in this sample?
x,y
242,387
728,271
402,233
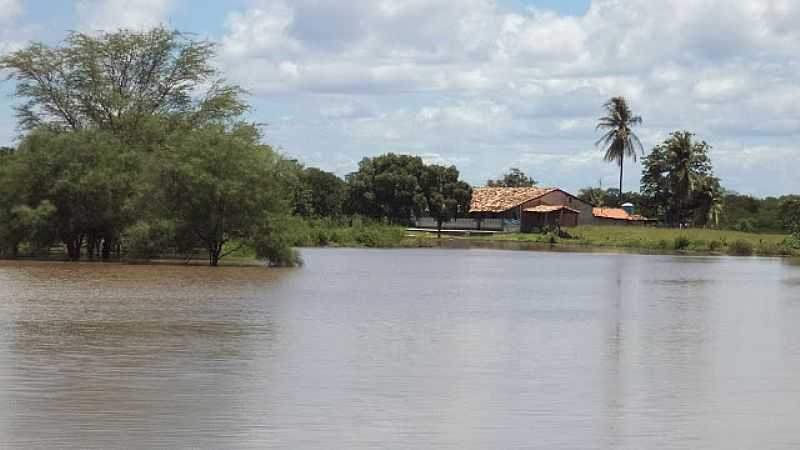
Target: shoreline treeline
x,y
133,145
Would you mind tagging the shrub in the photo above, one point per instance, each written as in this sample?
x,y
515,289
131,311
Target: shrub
x,y
377,236
681,243
144,240
698,244
740,247
276,238
745,225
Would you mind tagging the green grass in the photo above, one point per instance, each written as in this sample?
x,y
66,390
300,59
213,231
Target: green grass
x,y
328,234
703,241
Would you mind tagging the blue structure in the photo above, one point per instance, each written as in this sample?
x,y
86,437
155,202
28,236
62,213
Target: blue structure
x,y
629,208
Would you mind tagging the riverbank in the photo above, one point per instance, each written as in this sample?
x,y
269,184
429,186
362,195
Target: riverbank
x,y
585,239
643,239
649,239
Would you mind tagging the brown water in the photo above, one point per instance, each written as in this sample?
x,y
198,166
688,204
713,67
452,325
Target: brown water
x,y
445,349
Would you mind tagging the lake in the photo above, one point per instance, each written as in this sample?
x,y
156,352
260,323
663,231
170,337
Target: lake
x,y
418,348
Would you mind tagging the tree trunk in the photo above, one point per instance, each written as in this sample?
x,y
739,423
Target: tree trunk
x,y
621,161
214,252
74,247
106,249
439,229
90,247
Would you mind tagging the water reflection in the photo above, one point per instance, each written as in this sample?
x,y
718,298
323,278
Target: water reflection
x,y
458,348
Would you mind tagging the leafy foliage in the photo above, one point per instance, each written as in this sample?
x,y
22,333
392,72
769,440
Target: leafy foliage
x,y
790,210
318,193
221,185
116,81
387,187
678,182
446,197
397,188
87,177
134,144
514,178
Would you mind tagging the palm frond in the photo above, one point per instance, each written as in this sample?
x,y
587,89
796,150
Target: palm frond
x,y
607,138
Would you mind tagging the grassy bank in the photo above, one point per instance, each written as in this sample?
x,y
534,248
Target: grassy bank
x,y
324,233
330,234
648,239
665,239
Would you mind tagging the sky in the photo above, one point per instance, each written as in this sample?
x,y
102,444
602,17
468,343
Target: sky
x,y
486,84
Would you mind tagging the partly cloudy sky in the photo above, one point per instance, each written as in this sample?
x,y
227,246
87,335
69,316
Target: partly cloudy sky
x,y
487,84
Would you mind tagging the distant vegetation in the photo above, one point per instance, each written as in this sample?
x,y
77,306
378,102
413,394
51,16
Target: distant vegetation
x,y
133,146
395,188
514,178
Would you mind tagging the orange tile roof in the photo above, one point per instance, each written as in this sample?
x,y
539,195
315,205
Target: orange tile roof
x,y
617,214
499,199
550,208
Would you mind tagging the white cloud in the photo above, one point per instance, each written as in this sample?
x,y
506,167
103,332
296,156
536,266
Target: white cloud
x,y
10,9
12,33
480,114
490,84
487,86
109,15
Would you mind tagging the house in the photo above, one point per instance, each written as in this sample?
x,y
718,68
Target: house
x,y
530,207
619,216
548,216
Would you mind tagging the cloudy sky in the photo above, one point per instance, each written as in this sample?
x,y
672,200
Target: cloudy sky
x,y
487,84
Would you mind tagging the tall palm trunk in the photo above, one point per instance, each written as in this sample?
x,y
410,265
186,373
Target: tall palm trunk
x,y
621,161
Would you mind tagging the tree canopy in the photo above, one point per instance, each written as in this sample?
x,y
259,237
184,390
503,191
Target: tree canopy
x,y
397,188
679,183
221,187
116,81
387,187
446,197
514,178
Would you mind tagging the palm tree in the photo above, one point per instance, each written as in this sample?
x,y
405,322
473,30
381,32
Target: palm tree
x,y
618,140
690,174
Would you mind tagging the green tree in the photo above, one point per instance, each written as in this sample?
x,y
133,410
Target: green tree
x,y
225,189
300,195
618,139
387,187
514,178
87,176
117,81
316,193
328,192
790,211
678,180
708,203
446,197
596,196
126,133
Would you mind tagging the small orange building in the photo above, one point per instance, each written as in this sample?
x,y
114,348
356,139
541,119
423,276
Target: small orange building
x,y
619,216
